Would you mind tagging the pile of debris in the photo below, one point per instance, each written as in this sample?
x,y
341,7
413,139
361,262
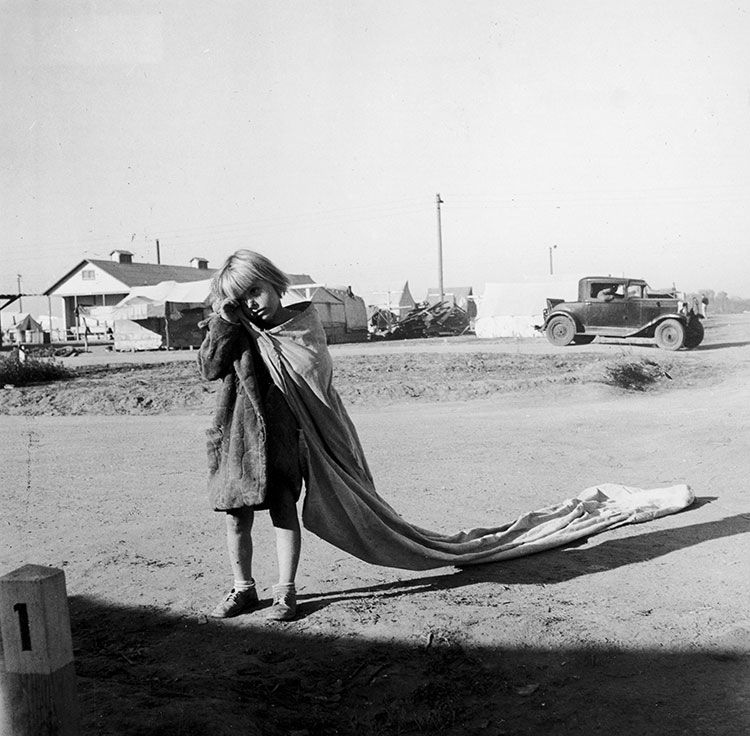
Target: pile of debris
x,y
436,320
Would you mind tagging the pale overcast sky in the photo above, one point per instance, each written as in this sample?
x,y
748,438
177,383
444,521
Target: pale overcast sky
x,y
320,132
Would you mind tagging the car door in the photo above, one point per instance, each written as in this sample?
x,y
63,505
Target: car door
x,y
633,306
653,308
608,317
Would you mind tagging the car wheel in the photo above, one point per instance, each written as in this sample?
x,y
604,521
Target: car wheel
x,y
560,331
694,334
583,339
670,335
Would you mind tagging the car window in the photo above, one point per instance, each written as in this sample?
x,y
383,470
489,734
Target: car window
x,y
597,288
635,291
607,291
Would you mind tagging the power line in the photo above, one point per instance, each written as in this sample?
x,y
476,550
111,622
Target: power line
x,y
385,207
198,235
380,209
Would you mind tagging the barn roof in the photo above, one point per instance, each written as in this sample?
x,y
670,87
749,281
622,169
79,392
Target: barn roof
x,y
140,274
150,274
298,279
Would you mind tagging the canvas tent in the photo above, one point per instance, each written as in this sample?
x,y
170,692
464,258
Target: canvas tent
x,y
343,314
405,302
9,322
512,309
165,315
26,330
355,315
50,328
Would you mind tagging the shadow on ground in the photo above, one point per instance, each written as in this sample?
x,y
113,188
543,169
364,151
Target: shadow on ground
x,y
722,345
147,672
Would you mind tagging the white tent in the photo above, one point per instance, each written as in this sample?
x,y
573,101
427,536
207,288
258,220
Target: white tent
x,y
9,322
192,292
166,314
512,309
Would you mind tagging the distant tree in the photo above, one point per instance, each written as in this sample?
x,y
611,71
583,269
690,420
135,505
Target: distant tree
x,y
719,302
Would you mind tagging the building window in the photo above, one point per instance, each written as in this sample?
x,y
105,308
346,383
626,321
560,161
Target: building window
x,y
88,275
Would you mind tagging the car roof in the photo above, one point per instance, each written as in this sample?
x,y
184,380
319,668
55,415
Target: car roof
x,y
613,279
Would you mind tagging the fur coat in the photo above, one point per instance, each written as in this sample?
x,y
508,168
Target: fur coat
x,y
253,441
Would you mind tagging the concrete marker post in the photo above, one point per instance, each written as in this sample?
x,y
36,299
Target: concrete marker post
x,y
37,679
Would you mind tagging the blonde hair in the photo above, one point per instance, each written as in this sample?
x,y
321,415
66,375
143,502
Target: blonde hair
x,y
234,279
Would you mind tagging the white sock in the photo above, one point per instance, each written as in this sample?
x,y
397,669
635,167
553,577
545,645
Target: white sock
x,y
243,585
284,588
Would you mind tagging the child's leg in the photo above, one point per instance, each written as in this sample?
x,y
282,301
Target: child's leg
x,y
288,537
240,543
288,543
243,597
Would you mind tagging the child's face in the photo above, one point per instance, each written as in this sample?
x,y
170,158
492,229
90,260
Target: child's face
x,y
263,301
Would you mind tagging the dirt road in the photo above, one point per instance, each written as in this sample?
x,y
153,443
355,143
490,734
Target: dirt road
x,y
642,630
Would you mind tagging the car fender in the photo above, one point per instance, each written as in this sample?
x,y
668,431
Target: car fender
x,y
563,313
650,327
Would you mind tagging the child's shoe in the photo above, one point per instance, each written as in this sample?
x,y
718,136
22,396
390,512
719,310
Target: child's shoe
x,y
236,602
284,606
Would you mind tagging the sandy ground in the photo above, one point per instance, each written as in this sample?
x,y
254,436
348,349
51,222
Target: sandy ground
x,y
641,630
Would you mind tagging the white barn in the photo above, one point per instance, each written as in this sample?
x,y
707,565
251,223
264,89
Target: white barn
x,y
99,285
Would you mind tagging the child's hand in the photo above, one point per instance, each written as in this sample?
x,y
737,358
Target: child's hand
x,y
228,310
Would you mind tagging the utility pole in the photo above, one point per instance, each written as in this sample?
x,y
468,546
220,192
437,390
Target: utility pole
x,y
158,255
20,302
551,248
49,313
439,201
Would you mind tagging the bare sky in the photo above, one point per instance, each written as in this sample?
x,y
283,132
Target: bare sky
x,y
320,132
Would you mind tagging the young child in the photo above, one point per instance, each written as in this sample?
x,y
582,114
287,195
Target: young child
x,y
253,444
279,412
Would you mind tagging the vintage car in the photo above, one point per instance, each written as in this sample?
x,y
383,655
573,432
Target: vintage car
x,y
621,308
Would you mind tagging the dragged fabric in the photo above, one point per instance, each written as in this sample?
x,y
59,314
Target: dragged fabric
x,y
342,506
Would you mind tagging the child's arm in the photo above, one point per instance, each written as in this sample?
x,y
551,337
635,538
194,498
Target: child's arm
x,y
220,347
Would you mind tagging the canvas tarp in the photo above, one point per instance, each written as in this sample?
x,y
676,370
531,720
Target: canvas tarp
x,y
343,507
9,322
171,311
194,292
355,313
164,315
512,309
28,324
20,327
142,335
343,314
332,314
